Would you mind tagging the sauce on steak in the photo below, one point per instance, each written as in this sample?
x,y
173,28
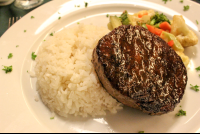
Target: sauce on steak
x,y
140,70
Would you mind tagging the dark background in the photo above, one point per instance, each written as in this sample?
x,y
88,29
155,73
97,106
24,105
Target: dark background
x,y
10,11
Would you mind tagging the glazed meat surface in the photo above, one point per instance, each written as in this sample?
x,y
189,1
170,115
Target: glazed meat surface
x,y
140,70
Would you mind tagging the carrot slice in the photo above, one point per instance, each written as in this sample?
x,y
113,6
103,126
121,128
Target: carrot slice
x,y
165,26
154,30
140,15
158,31
171,43
151,28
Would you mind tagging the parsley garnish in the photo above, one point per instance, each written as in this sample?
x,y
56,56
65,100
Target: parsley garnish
x,y
33,56
17,46
166,1
51,34
32,17
107,15
86,4
181,113
7,69
78,23
24,31
59,18
197,22
198,68
186,8
10,55
52,118
181,1
141,132
196,88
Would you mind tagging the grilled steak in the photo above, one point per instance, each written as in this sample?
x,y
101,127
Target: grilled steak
x,y
140,70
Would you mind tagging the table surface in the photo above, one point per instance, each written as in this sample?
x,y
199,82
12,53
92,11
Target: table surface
x,y
10,11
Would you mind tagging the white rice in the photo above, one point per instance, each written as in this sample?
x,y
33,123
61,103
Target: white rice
x,y
66,79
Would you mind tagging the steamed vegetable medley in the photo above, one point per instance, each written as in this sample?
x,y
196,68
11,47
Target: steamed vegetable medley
x,y
175,32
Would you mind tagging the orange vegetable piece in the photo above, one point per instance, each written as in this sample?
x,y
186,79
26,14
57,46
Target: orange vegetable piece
x,y
151,28
140,15
165,26
171,43
154,30
158,31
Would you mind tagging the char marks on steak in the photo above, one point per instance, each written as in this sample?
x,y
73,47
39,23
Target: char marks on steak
x,y
140,70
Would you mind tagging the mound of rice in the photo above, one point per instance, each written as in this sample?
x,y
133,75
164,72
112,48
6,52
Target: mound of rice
x,y
66,80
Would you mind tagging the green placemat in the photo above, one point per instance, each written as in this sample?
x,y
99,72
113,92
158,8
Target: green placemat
x,y
10,11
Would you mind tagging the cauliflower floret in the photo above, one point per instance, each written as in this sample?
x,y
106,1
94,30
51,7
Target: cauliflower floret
x,y
134,18
183,34
189,40
184,58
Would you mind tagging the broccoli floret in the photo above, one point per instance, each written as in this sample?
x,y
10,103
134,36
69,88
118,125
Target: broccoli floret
x,y
124,18
158,18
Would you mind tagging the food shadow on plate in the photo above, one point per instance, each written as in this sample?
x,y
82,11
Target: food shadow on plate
x,y
128,120
132,121
191,52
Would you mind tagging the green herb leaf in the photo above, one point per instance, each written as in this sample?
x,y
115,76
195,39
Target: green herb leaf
x,y
24,31
51,34
181,113
78,23
196,88
198,68
33,56
10,55
141,132
78,5
86,4
59,18
166,1
107,15
197,22
181,1
17,46
7,69
186,8
52,118
32,17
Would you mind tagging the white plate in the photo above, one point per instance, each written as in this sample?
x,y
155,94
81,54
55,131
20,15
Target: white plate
x,y
21,113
